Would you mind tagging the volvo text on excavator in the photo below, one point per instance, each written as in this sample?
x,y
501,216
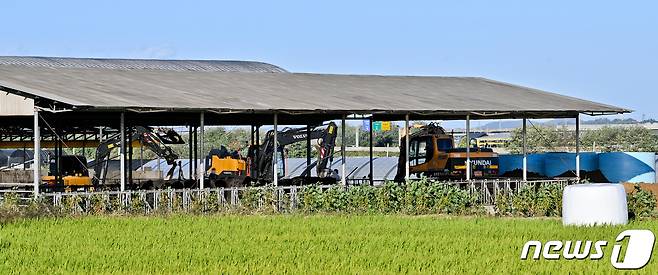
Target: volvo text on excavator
x,y
258,163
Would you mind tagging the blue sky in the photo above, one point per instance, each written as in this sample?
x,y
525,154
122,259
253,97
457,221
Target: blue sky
x,y
603,51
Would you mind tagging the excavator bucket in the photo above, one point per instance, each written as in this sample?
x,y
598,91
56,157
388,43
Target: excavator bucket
x,y
169,136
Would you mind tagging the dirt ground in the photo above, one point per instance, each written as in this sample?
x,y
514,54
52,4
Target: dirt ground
x,y
646,186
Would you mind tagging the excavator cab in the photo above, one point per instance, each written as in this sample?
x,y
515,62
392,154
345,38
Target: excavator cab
x,y
432,154
72,172
223,161
428,153
255,155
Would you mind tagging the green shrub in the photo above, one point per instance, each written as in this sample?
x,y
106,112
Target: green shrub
x,y
549,200
641,203
416,197
212,202
99,204
9,203
163,203
334,199
177,202
251,199
137,204
457,201
503,204
361,199
269,200
310,199
389,197
71,205
532,200
524,201
198,203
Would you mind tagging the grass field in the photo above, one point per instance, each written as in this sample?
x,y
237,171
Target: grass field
x,y
293,244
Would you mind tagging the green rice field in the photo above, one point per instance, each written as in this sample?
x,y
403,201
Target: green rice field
x,y
366,244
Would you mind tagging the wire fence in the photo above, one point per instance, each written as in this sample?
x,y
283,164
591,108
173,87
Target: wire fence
x,y
276,199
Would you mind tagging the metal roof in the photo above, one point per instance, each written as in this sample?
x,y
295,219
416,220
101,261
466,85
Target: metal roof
x,y
141,64
237,92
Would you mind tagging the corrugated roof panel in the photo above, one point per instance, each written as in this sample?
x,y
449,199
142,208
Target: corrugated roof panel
x,y
237,91
142,64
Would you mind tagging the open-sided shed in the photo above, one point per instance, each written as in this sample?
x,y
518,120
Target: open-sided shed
x,y
77,93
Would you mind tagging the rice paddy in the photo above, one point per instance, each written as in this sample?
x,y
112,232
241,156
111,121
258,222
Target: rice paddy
x,y
371,244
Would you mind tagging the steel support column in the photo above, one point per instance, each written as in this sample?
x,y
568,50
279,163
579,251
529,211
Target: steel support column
x,y
525,149
58,154
468,147
255,173
406,146
578,146
343,180
275,167
202,141
308,150
36,165
130,158
371,176
196,153
190,156
122,151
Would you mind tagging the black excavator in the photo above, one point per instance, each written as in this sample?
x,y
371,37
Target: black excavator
x,y
261,166
155,139
259,158
262,155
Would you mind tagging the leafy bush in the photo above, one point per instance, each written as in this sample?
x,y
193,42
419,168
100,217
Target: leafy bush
x,y
310,199
453,200
417,197
389,197
10,202
269,200
9,208
251,199
212,202
99,205
198,203
334,199
361,199
503,204
641,203
163,202
71,205
531,201
549,200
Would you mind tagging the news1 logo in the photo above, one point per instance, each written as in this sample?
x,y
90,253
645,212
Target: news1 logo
x,y
638,249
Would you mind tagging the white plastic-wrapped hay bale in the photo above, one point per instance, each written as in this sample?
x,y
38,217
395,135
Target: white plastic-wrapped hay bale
x,y
594,204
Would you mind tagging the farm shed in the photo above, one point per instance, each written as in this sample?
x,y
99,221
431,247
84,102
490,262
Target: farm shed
x,y
73,95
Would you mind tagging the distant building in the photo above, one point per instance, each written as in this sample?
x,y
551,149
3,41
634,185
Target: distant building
x,y
495,140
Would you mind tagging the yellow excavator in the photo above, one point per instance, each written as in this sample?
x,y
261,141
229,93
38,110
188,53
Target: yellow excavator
x,y
432,154
73,169
226,168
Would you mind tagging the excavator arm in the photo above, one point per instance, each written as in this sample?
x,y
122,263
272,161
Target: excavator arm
x,y
326,136
155,140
